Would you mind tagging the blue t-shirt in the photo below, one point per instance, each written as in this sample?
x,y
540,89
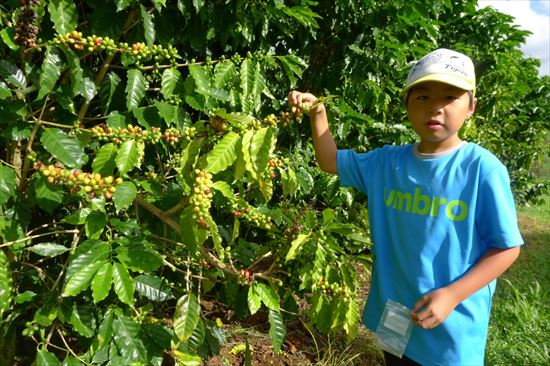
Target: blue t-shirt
x,y
431,219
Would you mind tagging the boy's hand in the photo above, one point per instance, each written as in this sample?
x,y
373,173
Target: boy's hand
x,y
303,102
433,308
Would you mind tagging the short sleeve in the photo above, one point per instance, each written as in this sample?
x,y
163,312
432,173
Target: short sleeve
x,y
354,167
496,216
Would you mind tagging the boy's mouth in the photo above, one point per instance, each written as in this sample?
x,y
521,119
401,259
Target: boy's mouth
x,y
434,123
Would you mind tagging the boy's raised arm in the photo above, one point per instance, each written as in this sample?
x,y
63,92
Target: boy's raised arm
x,y
323,142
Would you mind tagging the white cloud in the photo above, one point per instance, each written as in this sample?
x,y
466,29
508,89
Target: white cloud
x,y
538,44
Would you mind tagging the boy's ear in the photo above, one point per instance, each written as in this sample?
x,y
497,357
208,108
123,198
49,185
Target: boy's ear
x,y
472,107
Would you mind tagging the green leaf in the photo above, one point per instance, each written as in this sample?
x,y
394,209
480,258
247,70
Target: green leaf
x,y
124,195
104,162
277,330
186,316
252,85
289,181
254,301
169,81
51,70
296,246
48,249
85,263
127,156
135,88
78,217
123,283
8,183
88,89
153,287
45,358
64,148
13,74
148,25
126,333
269,296
197,338
6,284
48,196
224,188
225,72
108,89
101,283
95,223
139,257
223,154
191,235
266,188
293,67
351,319
261,146
5,91
203,81
82,320
105,330
75,71
63,14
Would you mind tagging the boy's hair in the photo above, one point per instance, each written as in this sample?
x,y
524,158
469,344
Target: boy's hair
x,y
445,66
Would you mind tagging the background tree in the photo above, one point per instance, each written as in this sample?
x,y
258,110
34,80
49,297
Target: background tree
x,y
149,157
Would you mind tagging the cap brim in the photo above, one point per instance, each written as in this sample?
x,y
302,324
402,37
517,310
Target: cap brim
x,y
442,78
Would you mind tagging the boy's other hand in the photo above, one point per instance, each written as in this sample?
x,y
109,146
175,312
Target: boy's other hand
x,y
433,308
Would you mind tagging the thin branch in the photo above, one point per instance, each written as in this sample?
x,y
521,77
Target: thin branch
x,y
7,244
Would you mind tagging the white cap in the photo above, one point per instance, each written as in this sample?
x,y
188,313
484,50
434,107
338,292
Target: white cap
x,y
445,66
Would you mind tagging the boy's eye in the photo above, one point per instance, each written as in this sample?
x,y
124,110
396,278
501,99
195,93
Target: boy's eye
x,y
451,97
422,97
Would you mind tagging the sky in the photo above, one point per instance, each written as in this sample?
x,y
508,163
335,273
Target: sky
x,y
533,16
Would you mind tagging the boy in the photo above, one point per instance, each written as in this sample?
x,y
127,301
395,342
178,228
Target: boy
x,y
442,215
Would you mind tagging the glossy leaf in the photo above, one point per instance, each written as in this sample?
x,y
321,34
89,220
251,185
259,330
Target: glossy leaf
x,y
84,266
63,14
254,301
101,283
7,183
51,71
223,155
170,78
127,156
12,74
6,283
107,90
148,25
296,246
48,249
45,358
277,330
252,85
66,149
104,162
126,333
135,88
95,223
153,287
186,316
269,296
124,195
261,146
123,283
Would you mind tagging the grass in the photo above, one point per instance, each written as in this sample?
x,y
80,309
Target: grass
x,y
519,331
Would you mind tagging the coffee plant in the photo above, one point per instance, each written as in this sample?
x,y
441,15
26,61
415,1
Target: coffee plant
x,y
150,166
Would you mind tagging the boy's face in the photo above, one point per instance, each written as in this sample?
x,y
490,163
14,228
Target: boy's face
x,y
437,111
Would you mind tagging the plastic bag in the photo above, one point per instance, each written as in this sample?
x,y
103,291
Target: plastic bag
x,y
394,328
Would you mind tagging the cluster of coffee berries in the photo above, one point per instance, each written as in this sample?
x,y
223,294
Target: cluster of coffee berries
x,y
272,165
247,277
25,29
117,135
271,120
201,198
291,232
242,209
286,118
333,289
79,182
95,43
30,329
